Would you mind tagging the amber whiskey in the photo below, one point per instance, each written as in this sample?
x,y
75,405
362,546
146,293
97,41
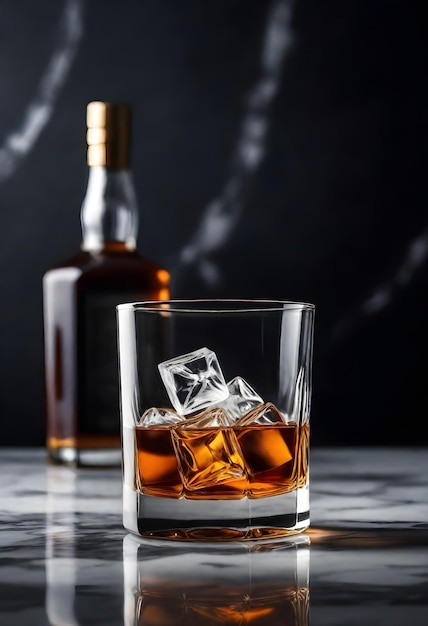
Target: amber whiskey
x,y
80,296
227,463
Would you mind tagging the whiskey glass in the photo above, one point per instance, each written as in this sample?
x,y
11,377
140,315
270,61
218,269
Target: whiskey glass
x,y
215,403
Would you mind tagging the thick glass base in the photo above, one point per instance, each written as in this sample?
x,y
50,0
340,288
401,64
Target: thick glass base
x,y
216,520
85,457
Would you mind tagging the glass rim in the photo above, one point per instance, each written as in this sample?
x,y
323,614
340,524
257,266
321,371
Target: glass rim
x,y
203,305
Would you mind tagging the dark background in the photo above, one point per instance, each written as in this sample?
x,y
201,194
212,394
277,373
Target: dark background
x,y
292,133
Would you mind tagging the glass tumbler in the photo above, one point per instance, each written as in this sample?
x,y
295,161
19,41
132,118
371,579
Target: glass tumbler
x,y
215,404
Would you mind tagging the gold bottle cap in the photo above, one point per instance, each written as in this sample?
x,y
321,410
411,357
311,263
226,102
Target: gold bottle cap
x,y
108,135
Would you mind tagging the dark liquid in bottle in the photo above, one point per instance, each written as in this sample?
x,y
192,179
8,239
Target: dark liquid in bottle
x,y
81,346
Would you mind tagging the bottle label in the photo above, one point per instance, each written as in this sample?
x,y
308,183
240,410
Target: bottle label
x,y
98,370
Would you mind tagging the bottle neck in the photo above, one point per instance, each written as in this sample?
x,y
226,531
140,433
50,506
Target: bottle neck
x,y
109,214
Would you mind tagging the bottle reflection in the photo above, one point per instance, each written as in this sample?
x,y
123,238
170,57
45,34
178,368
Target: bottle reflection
x,y
189,584
60,547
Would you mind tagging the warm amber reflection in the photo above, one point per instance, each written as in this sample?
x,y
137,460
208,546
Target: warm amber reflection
x,y
221,535
163,277
263,583
84,442
352,538
273,607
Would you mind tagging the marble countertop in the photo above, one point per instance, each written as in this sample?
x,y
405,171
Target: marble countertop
x,y
65,559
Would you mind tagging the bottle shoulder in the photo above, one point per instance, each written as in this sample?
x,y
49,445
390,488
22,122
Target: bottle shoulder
x,y
78,261
106,267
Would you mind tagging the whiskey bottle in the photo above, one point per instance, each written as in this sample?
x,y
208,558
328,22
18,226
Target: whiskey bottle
x,y
80,296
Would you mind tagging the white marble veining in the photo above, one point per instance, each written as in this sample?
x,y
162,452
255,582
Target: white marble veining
x,y
223,213
19,142
66,560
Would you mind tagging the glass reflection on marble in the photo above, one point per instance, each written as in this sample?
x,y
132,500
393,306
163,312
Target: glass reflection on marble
x,y
262,583
60,547
83,548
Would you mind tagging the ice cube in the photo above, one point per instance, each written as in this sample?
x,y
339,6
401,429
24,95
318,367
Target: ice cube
x,y
265,415
194,381
268,447
242,398
207,450
159,417
215,417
